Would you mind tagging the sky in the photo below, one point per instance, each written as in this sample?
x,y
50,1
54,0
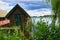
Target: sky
x,y
32,7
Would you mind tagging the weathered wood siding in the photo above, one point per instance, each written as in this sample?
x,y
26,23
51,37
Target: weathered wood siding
x,y
18,11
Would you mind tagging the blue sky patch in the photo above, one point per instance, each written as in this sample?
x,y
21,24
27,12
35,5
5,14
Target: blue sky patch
x,y
31,7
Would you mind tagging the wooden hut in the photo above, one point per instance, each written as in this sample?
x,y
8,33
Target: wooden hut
x,y
16,16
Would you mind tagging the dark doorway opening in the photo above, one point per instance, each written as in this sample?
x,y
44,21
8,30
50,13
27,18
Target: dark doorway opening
x,y
17,19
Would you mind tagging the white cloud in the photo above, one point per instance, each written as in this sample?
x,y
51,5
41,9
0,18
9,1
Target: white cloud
x,y
28,0
5,6
39,12
18,1
36,12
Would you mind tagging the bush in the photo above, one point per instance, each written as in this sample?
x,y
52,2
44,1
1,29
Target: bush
x,y
44,32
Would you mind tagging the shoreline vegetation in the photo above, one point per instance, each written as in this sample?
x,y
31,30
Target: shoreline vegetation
x,y
40,31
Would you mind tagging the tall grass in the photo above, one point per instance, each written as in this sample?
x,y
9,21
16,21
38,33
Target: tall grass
x,y
23,33
41,32
44,32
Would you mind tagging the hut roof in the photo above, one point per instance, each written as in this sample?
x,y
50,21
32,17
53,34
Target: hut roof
x,y
3,13
14,8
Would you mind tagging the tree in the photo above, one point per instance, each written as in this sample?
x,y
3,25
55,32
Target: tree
x,y
56,9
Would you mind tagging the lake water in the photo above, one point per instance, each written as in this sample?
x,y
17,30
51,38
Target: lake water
x,y
45,19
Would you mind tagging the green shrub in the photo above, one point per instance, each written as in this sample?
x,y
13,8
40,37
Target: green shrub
x,y
44,32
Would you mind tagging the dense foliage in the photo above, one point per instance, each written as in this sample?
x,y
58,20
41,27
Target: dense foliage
x,y
44,32
41,32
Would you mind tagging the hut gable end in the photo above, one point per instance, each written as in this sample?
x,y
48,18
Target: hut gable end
x,y
17,9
